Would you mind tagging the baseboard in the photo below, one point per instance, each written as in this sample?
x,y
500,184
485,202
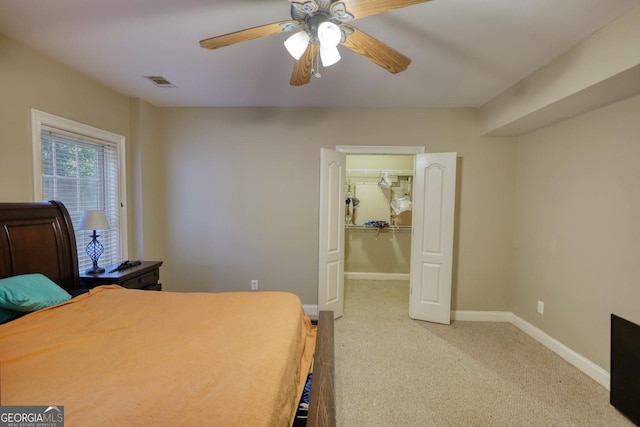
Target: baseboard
x,y
310,310
481,316
592,370
376,276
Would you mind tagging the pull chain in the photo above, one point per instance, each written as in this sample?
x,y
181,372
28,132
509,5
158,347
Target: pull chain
x,y
317,74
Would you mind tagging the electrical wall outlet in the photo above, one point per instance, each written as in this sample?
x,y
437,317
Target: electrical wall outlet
x,y
254,285
540,307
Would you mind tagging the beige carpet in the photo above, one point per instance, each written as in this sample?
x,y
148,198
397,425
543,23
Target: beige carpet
x,y
394,371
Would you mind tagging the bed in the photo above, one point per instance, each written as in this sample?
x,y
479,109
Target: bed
x,y
113,356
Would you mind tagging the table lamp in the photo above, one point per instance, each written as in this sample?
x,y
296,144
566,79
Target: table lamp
x,y
94,220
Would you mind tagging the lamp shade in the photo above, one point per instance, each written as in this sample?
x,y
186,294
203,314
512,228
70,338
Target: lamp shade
x,y
329,35
329,55
93,220
297,44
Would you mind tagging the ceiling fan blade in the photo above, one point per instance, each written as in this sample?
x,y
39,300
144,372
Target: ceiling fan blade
x,y
362,8
249,34
303,67
376,51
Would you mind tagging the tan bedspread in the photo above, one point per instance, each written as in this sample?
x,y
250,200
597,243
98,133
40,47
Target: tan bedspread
x,y
119,357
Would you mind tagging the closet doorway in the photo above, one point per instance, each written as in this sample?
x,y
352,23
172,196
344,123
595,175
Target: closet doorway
x,y
432,235
378,213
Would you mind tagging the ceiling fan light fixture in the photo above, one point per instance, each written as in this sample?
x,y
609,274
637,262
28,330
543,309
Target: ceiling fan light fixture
x,y
329,55
329,36
297,44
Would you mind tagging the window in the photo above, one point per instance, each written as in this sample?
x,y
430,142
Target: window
x,y
82,167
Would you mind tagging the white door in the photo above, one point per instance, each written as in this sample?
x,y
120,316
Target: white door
x,y
432,242
331,235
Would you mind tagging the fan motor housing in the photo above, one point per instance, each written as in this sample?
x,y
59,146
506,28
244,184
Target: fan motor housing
x,y
314,21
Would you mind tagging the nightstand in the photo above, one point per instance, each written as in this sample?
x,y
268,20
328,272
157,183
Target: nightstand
x,y
145,276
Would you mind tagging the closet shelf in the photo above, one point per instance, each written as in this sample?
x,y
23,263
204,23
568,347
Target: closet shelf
x,y
378,172
392,228
371,227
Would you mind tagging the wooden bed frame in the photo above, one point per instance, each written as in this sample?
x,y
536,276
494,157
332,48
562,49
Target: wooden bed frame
x,y
39,238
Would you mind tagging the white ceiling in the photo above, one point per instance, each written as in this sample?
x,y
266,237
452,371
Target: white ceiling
x,y
464,52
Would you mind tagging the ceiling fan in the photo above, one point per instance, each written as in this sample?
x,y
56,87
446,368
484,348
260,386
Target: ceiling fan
x,y
319,26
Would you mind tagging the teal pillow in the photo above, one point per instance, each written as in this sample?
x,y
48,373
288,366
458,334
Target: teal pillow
x,y
6,315
30,292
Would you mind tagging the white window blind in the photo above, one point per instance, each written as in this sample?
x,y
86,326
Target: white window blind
x,y
83,173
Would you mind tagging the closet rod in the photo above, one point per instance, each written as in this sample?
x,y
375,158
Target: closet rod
x,y
371,227
380,171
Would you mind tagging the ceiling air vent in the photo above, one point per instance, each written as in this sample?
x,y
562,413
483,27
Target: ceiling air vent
x,y
160,81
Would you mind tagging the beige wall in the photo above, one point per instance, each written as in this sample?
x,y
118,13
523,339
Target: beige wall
x,y
577,229
378,163
370,251
244,187
146,172
29,80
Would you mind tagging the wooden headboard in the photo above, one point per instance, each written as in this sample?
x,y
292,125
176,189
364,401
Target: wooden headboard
x,y
38,238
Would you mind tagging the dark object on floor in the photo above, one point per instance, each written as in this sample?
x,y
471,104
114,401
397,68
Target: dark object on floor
x,y
625,368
